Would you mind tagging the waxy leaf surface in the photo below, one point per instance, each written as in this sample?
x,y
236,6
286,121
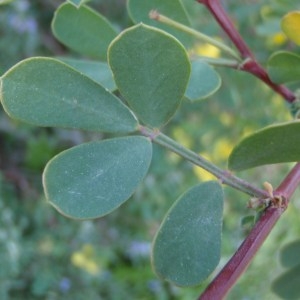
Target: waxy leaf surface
x,y
287,285
98,71
93,179
289,254
273,144
204,81
47,92
290,25
284,67
83,30
151,69
187,246
173,9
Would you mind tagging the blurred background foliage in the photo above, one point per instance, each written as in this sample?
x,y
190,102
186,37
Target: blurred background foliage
x,y
47,256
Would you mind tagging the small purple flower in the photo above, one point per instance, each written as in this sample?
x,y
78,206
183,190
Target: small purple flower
x,y
65,284
154,286
28,25
140,249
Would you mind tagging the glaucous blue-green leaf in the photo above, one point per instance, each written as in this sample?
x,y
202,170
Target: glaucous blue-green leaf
x,y
287,284
151,69
273,144
77,2
98,71
47,92
139,12
289,254
284,67
93,179
204,81
290,25
83,30
187,245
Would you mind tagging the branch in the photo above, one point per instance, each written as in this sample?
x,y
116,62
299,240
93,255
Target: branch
x,y
250,64
224,176
226,24
239,262
253,67
290,183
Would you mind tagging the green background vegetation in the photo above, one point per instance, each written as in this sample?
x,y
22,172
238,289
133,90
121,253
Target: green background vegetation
x,y
44,255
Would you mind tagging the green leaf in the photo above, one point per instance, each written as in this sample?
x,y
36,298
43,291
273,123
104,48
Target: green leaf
x,y
139,12
187,246
83,30
78,2
98,71
151,70
284,67
273,144
289,254
287,285
290,25
204,81
93,179
47,92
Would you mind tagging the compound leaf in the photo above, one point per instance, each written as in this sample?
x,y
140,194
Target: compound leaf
x,y
151,70
187,245
93,179
47,92
274,144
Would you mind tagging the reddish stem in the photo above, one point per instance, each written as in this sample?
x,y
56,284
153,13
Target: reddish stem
x,y
225,280
239,262
253,67
226,24
290,183
237,265
250,65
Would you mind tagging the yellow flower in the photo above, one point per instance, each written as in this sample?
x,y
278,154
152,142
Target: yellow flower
x,y
202,174
85,259
290,25
219,153
207,50
182,137
222,149
277,39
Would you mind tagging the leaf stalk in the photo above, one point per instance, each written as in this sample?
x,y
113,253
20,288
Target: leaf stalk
x,y
225,176
155,15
